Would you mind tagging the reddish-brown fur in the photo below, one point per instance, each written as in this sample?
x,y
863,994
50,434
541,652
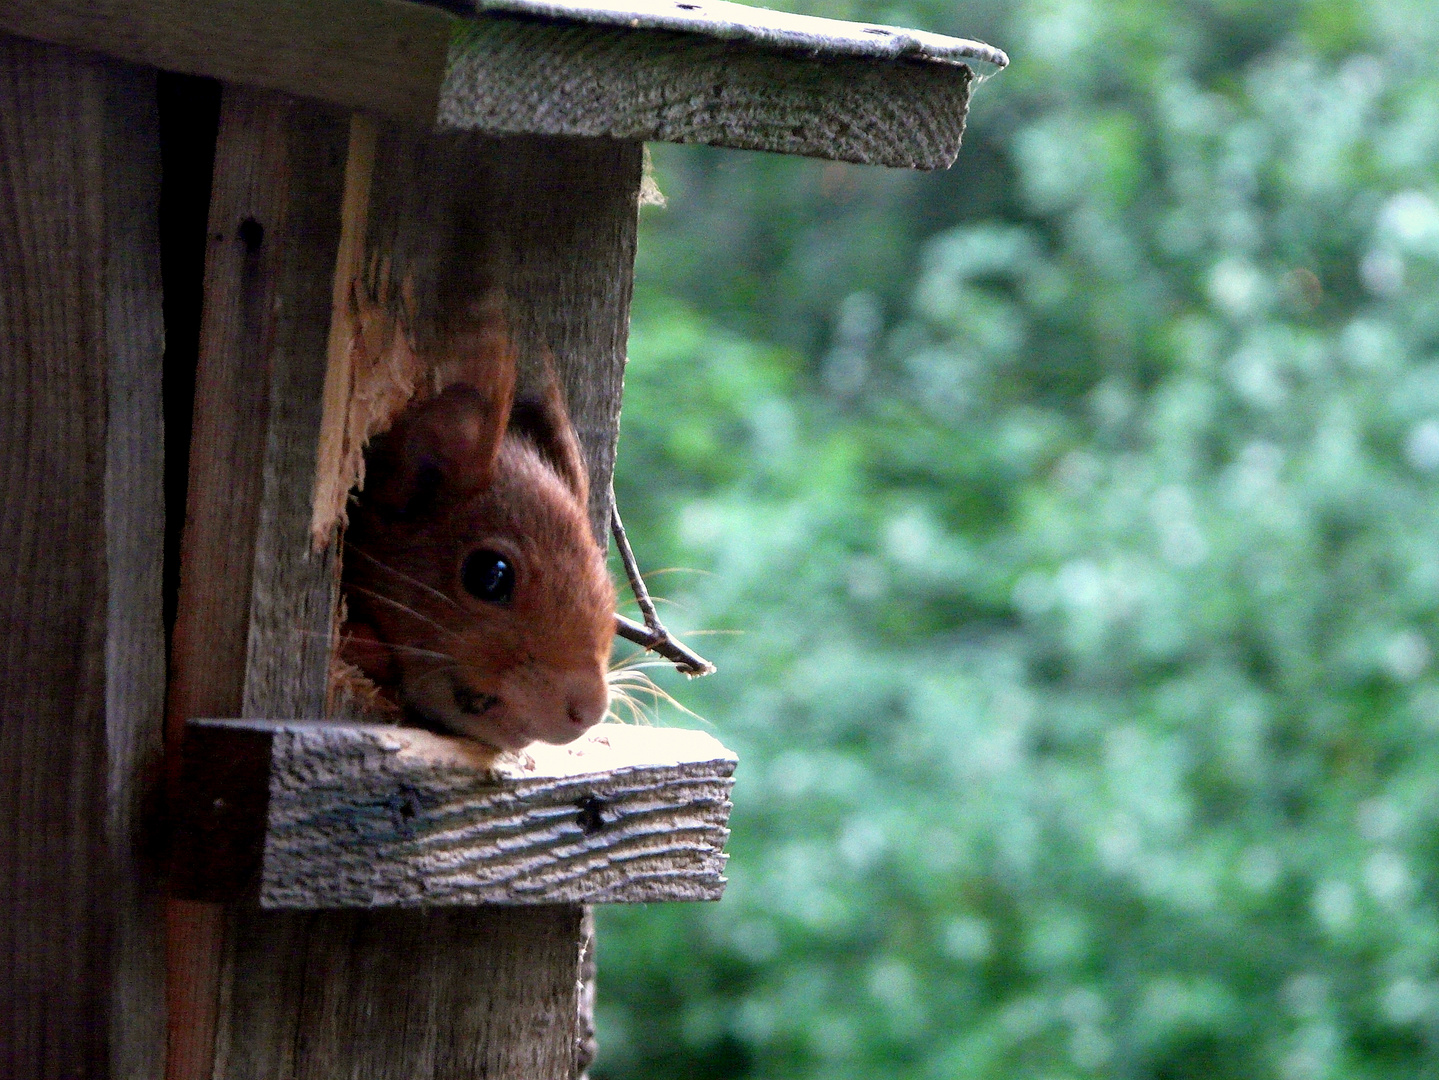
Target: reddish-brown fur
x,y
473,470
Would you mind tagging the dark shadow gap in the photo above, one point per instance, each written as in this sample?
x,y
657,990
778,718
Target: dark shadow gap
x,y
189,124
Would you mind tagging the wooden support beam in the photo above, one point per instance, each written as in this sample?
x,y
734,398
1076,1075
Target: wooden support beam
x,y
322,815
242,617
522,67
81,534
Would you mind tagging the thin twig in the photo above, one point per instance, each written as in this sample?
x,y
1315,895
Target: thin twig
x,y
632,569
659,640
651,634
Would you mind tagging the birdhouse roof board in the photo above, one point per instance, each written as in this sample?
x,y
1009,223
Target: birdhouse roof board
x,y
702,71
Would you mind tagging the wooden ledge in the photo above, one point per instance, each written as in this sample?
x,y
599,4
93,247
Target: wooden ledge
x,y
309,814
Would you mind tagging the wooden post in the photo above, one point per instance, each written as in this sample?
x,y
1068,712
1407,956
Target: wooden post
x,y
81,535
274,222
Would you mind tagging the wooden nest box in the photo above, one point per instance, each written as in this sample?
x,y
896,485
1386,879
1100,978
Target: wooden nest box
x,y
319,898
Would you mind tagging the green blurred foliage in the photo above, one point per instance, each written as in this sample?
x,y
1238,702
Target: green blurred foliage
x,y
1076,512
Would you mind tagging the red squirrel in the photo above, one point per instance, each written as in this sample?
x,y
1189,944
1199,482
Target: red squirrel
x,y
478,598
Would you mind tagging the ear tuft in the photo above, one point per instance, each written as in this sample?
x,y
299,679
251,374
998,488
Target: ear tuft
x,y
445,448
544,422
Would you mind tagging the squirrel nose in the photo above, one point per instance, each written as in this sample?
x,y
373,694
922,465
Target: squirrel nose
x,y
588,699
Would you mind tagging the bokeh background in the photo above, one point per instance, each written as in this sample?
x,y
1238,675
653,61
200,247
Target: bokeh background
x,y
1078,514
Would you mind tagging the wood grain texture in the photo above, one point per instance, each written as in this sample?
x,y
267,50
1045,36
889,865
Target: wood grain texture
x,y
217,547
346,411
295,587
524,75
134,550
504,74
387,56
424,995
550,220
274,221
248,208
373,816
81,645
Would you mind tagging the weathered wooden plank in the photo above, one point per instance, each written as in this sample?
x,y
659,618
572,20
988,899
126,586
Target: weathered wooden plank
x,y
383,55
81,643
255,607
553,222
516,75
295,586
373,816
248,216
134,549
742,77
384,994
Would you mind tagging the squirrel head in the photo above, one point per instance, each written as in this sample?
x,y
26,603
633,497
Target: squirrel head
x,y
478,596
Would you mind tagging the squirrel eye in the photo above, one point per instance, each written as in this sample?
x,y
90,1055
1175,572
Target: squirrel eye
x,y
488,575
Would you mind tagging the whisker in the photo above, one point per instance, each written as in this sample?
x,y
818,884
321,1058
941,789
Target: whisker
x,y
637,712
403,576
412,649
628,682
416,650
619,696
677,605
407,610
638,659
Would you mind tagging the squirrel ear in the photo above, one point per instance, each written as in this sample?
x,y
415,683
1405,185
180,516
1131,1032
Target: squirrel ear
x,y
545,423
446,448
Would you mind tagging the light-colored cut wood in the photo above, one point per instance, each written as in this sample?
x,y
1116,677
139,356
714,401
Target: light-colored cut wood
x,y
349,412
374,816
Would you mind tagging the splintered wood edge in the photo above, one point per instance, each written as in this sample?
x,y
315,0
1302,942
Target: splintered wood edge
x,y
309,815
500,74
